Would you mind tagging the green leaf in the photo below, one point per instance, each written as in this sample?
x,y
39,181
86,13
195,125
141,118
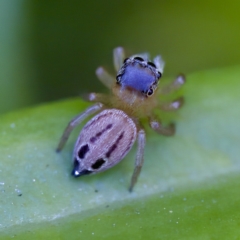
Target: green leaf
x,y
188,188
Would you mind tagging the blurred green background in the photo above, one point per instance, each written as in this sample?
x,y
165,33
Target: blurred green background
x,y
50,49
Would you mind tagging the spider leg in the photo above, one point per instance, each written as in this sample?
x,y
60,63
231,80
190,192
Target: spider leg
x,y
163,130
172,106
98,97
76,121
139,158
118,57
159,63
105,78
173,86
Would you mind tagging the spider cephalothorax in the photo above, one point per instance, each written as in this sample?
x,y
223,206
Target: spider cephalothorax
x,y
106,139
139,74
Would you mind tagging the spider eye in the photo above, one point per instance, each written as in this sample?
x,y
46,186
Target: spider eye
x,y
118,77
139,59
150,92
152,64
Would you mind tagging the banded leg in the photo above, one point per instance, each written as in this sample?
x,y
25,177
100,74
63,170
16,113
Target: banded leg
x,y
105,78
139,158
163,130
172,106
118,57
76,121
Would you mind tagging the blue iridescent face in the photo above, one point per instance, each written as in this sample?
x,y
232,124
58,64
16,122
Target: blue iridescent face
x,y
138,74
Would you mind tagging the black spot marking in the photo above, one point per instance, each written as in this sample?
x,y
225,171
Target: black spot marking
x,y
109,126
111,149
83,150
125,60
93,139
98,163
160,74
139,59
114,146
99,134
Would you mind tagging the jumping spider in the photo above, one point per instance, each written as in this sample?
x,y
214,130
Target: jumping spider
x,y
106,139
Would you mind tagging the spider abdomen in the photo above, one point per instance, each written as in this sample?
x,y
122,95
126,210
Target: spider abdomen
x,y
103,142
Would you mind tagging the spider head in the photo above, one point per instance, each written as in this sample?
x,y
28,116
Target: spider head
x,y
139,74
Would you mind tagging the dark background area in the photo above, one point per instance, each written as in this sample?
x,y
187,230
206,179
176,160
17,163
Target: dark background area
x,y
49,50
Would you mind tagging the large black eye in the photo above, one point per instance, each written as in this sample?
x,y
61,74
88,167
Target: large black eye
x,y
152,64
118,77
160,74
139,59
150,92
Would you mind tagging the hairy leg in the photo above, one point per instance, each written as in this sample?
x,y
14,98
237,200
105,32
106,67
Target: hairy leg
x,y
139,158
118,58
172,106
174,85
163,130
159,63
105,78
76,121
